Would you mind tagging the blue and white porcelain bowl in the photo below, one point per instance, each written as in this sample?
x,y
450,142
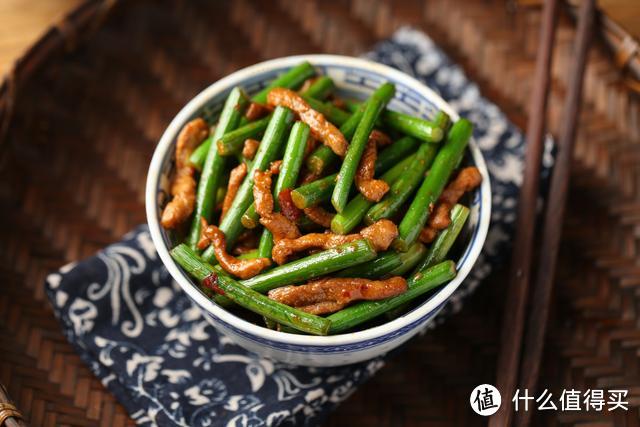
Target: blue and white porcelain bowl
x,y
355,78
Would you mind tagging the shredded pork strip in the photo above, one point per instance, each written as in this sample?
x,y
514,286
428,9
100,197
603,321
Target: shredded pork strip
x,y
284,248
467,179
262,192
372,189
183,188
242,268
249,148
256,111
380,234
279,225
319,215
332,294
380,138
428,235
321,128
236,176
274,167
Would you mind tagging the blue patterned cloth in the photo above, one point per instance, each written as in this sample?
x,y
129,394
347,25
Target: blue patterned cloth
x,y
157,353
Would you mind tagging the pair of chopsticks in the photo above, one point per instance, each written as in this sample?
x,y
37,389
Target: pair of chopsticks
x,y
519,276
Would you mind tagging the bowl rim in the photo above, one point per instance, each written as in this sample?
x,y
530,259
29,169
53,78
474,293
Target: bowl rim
x,y
434,303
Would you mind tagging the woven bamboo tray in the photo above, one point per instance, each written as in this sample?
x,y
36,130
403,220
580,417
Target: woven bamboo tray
x,y
82,112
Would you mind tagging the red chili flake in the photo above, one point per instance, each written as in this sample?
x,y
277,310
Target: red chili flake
x,y
287,207
338,102
211,282
312,143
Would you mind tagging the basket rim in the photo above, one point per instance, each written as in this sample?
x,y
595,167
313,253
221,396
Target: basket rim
x,y
65,35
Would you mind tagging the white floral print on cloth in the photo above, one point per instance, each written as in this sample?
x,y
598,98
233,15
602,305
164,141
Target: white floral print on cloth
x,y
152,347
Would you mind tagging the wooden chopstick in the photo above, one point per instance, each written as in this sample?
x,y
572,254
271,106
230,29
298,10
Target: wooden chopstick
x,y
555,209
517,293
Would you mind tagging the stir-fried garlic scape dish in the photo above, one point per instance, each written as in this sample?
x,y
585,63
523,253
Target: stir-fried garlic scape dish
x,y
316,213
